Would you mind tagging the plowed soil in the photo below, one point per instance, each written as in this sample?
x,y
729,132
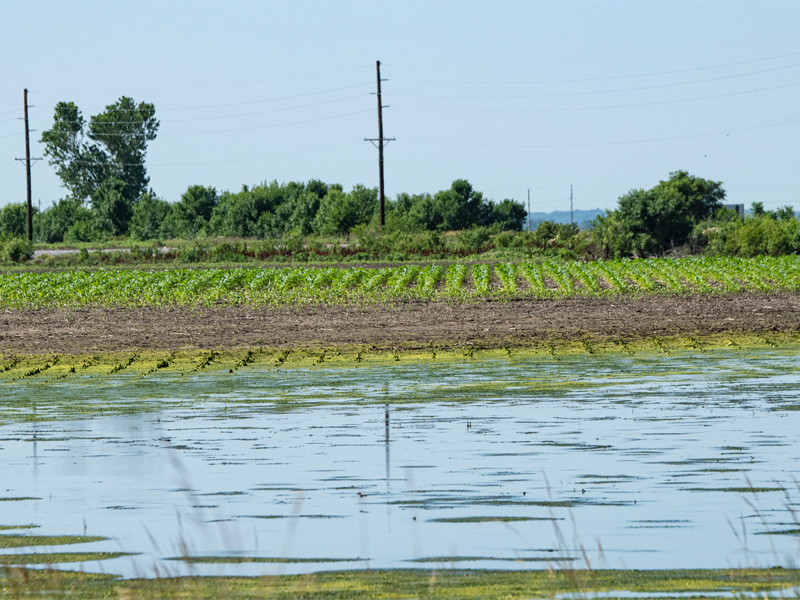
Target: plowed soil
x,y
406,325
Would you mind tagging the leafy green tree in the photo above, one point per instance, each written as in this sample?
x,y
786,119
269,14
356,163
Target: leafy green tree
x,y
650,222
460,207
785,213
111,146
149,213
111,208
13,220
549,232
702,196
191,214
339,212
51,225
509,215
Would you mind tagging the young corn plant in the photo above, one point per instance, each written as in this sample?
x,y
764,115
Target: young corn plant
x,y
481,279
454,281
507,274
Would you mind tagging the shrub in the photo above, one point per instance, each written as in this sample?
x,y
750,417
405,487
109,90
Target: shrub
x,y
17,250
148,215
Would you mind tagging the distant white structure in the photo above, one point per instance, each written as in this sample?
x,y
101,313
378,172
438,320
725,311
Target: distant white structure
x,y
739,208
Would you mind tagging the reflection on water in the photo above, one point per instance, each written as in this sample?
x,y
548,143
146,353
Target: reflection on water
x,y
651,462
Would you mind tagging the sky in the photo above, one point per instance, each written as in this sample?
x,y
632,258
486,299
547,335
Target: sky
x,y
601,96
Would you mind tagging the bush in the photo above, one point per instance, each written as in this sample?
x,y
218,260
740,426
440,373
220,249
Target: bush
x,y
652,222
148,215
17,250
756,235
190,216
51,225
111,208
13,220
82,231
473,239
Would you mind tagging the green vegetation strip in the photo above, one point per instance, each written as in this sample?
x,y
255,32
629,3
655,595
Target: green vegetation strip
x,y
58,557
20,541
257,559
360,285
455,559
400,584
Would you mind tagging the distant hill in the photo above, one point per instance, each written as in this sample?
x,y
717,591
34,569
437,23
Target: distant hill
x,y
581,217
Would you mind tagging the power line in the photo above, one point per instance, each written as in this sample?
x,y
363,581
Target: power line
x,y
211,85
608,78
618,90
607,55
251,114
728,130
582,108
264,101
253,128
224,162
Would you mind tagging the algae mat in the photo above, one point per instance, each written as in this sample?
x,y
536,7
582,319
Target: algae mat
x,y
649,461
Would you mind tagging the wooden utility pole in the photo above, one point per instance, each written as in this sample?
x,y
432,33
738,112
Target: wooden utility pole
x,y
28,168
381,141
27,160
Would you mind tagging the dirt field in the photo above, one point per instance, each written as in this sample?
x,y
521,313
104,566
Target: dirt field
x,y
405,326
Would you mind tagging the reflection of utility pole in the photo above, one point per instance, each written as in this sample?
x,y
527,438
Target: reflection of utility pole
x,y
529,210
27,160
571,220
382,141
386,442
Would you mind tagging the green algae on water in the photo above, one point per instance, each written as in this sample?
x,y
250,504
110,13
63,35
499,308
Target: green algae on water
x,y
258,559
23,540
59,557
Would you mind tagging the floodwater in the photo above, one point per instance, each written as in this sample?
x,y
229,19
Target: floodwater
x,y
650,461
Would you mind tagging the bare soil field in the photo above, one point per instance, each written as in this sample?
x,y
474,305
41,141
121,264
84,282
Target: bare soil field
x,y
403,326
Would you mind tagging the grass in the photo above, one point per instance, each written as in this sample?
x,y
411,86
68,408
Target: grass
x,y
58,557
400,584
21,541
257,559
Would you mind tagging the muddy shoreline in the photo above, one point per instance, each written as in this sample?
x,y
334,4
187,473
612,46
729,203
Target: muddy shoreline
x,y
403,325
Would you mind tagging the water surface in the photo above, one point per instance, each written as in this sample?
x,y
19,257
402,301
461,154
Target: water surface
x,y
648,461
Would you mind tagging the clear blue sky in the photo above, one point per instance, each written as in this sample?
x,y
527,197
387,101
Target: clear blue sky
x,y
540,95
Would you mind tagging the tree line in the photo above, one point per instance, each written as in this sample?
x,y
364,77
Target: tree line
x,y
101,163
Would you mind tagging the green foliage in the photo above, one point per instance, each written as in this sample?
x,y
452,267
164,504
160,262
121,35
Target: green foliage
x,y
189,217
51,225
551,233
112,210
102,160
13,220
301,285
473,239
112,146
651,222
509,215
148,214
16,250
82,230
762,233
340,212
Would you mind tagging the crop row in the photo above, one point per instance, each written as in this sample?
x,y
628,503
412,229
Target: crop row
x,y
302,285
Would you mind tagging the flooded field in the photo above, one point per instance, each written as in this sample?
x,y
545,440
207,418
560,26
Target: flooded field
x,y
646,461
